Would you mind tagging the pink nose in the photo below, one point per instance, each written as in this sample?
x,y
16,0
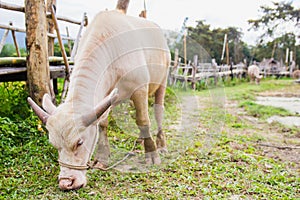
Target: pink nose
x,y
69,184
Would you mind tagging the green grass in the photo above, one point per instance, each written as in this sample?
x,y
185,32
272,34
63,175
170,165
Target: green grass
x,y
261,111
233,166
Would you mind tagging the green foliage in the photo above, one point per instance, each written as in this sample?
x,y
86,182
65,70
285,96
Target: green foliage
x,y
57,49
13,97
212,41
274,20
9,50
262,111
276,15
26,155
277,46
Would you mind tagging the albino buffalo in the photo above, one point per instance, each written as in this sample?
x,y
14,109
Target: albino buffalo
x,y
253,72
296,74
119,57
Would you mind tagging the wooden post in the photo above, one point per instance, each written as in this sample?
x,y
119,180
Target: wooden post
x,y
214,66
144,12
176,57
224,45
227,53
194,71
287,57
122,5
38,74
184,47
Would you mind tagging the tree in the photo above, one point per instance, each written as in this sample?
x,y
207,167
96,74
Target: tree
x,y
212,41
275,48
8,50
275,18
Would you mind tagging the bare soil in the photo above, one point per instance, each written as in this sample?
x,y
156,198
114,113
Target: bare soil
x,y
280,142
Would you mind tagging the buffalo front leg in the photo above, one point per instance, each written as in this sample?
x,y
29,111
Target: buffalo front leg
x,y
103,150
140,100
158,113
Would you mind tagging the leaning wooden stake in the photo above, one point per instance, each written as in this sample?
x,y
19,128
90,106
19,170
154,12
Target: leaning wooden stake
x,y
63,52
83,23
3,39
15,41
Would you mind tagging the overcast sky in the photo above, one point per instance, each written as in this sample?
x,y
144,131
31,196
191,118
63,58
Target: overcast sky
x,y
169,14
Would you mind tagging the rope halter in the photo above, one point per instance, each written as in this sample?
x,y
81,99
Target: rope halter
x,y
77,167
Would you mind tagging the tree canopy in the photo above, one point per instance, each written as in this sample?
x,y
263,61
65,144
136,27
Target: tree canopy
x,y
276,17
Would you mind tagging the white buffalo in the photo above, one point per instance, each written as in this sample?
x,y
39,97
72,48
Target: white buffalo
x,y
253,72
119,57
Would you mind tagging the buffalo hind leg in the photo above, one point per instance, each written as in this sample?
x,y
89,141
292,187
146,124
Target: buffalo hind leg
x,y
103,150
140,100
158,113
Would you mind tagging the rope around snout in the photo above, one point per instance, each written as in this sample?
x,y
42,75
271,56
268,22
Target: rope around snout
x,y
91,165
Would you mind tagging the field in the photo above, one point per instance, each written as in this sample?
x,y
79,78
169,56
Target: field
x,y
220,147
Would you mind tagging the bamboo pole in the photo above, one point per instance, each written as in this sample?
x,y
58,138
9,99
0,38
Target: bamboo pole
x,y
63,51
12,28
75,47
69,20
69,42
17,8
16,61
2,43
51,30
12,7
15,41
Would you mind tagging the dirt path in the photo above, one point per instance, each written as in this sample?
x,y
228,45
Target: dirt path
x,y
276,141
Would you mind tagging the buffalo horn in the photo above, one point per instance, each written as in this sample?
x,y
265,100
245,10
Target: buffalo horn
x,y
101,108
38,111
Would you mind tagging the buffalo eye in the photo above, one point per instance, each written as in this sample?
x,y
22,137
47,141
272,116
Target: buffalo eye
x,y
77,144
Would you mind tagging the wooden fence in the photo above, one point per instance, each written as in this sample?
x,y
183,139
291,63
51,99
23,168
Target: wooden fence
x,y
30,68
193,73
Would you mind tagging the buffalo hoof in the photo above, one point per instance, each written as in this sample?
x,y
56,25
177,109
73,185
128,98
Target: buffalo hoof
x,y
99,165
162,150
152,158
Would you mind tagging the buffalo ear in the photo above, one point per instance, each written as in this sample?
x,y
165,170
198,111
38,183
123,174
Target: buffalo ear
x,y
38,111
48,104
101,108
